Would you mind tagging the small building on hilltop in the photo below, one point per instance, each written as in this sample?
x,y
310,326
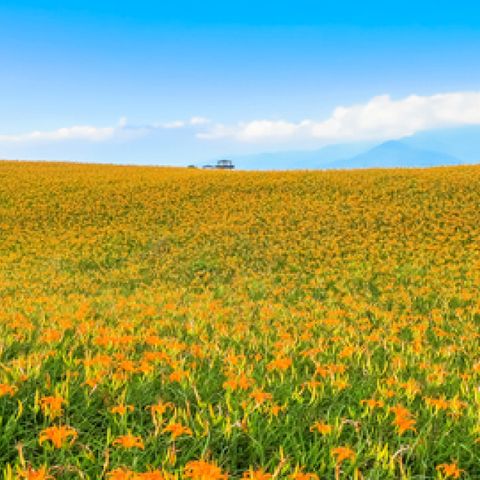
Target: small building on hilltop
x,y
222,165
225,164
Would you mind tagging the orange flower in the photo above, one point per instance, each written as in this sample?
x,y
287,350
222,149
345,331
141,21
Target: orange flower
x,y
242,383
389,393
178,375
303,476
129,441
403,419
122,409
256,475
92,382
260,396
347,352
32,474
321,427
6,389
201,470
279,364
340,383
127,366
343,453
160,408
153,475
176,429
276,409
121,474
52,406
58,435
400,411
372,403
437,403
404,424
450,470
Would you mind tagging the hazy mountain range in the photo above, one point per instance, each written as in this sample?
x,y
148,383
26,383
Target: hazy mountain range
x,y
454,146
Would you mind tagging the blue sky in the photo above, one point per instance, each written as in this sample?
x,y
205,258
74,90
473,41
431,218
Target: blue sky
x,y
185,82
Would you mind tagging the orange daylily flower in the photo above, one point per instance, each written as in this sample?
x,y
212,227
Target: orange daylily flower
x,y
201,470
372,403
6,389
52,406
58,435
122,409
321,427
241,382
177,429
343,453
279,364
160,408
449,470
129,441
256,475
153,475
33,474
404,424
303,476
178,375
260,397
403,419
121,474
276,409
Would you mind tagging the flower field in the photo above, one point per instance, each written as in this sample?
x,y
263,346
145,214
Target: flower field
x,y
161,323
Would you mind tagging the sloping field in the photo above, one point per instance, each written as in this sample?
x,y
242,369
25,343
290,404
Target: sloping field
x,y
176,323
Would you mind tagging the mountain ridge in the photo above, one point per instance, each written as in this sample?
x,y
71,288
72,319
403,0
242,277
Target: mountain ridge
x,y
447,146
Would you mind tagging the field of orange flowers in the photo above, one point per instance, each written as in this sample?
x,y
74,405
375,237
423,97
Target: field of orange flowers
x,y
183,324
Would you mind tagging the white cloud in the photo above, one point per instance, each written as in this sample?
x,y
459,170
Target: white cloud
x,y
89,133
192,122
82,132
174,124
380,118
199,121
79,132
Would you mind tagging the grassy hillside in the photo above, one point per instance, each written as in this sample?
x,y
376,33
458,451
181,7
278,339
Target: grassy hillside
x,y
178,323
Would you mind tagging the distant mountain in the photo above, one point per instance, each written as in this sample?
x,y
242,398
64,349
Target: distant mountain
x,y
448,146
463,142
300,159
396,153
